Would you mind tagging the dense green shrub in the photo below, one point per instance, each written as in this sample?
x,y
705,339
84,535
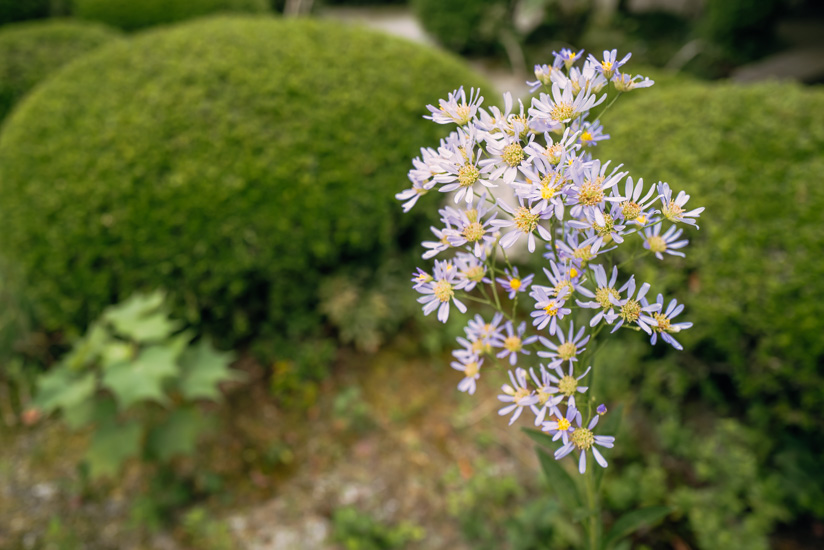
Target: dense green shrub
x,y
743,29
29,52
235,162
12,11
464,27
752,156
137,14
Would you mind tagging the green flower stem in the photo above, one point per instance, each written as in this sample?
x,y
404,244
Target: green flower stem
x,y
594,511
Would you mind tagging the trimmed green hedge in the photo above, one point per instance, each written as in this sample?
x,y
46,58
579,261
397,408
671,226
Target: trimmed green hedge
x,y
29,52
466,27
137,14
235,162
753,278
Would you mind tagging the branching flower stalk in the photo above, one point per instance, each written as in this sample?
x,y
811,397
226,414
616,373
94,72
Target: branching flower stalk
x,y
527,175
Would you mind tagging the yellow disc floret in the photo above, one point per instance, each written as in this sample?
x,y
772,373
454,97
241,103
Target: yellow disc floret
x,y
468,174
602,296
631,311
563,424
525,220
582,438
568,385
513,154
657,243
443,290
567,351
513,344
514,283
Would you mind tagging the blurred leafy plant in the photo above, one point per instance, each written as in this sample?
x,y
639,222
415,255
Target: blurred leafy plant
x,y
357,530
204,532
136,377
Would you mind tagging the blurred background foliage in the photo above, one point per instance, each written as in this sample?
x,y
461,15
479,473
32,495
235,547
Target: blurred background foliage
x,y
246,166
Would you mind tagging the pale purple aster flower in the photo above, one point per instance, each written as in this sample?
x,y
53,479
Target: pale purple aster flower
x,y
563,106
513,343
517,394
606,230
471,369
588,192
591,133
562,426
549,310
608,65
605,297
635,309
667,243
436,247
412,194
459,167
507,122
634,208
514,283
478,329
673,210
602,409
525,221
568,348
470,227
544,192
470,268
584,440
567,56
456,109
587,78
626,83
421,278
546,394
506,154
664,325
554,152
439,292
563,278
574,252
543,74
567,383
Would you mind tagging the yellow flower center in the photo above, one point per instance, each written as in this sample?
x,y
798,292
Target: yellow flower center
x,y
573,272
567,351
473,232
563,288
663,322
630,210
602,296
514,284
443,290
554,152
631,311
583,253
525,220
521,394
567,385
513,154
468,174
657,243
513,344
586,137
591,193
563,424
471,369
606,229
561,112
551,310
475,273
672,211
582,438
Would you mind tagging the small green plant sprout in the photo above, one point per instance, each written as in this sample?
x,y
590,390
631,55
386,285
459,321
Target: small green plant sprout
x,y
136,377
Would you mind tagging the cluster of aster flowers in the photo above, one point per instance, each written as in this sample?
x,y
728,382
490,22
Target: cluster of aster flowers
x,y
527,175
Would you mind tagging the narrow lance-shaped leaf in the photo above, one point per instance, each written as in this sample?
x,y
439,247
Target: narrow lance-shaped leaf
x,y
633,521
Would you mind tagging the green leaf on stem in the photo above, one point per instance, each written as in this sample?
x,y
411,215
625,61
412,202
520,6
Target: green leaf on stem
x,y
112,444
559,480
633,521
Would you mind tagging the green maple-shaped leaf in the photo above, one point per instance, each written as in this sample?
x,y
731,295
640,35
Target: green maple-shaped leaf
x,y
203,369
112,444
61,388
178,435
143,377
99,410
142,318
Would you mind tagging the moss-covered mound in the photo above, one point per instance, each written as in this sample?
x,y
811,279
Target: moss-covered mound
x,y
753,157
29,52
137,14
235,162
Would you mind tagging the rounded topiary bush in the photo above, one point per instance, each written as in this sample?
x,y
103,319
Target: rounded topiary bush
x,y
234,162
753,157
29,52
137,14
464,26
